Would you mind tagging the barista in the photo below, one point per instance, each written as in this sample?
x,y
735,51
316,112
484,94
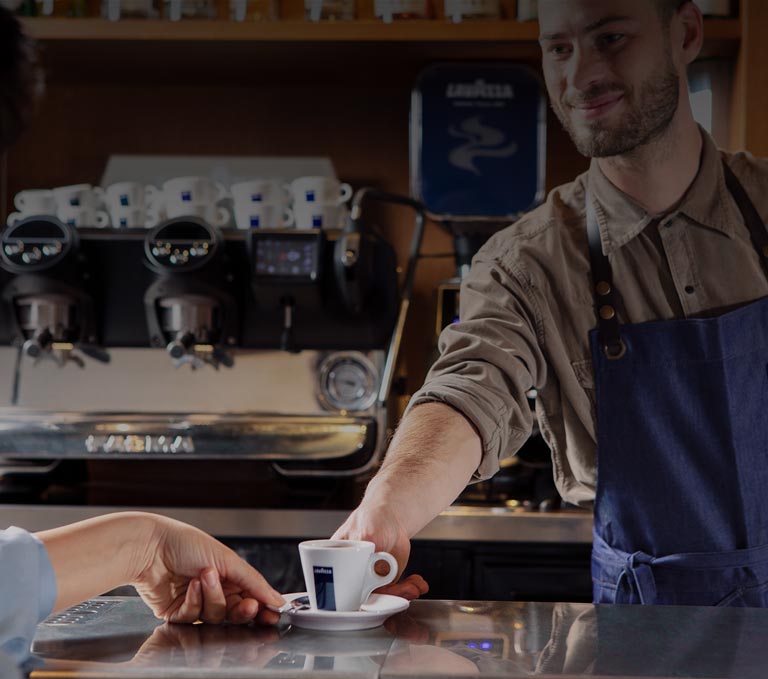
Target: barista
x,y
635,301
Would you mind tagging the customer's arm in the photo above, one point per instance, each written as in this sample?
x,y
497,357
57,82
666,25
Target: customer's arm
x,y
181,572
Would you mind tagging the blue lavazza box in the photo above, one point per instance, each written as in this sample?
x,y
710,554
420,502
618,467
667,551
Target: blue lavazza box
x,y
478,140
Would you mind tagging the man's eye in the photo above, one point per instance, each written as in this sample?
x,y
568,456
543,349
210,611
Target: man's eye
x,y
560,50
611,39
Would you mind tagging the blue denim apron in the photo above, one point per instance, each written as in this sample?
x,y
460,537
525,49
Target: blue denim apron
x,y
681,509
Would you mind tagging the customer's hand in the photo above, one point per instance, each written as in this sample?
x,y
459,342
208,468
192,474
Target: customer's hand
x,y
186,575
381,526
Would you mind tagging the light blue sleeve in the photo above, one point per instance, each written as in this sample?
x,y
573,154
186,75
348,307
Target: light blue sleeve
x,y
27,590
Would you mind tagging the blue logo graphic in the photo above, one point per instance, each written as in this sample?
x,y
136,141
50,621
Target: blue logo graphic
x,y
481,141
124,200
317,221
255,220
186,196
310,196
324,589
256,198
74,201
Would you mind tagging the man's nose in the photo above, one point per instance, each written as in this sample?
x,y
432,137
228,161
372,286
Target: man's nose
x,y
587,69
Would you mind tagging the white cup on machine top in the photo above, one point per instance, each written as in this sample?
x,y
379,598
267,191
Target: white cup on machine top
x,y
340,574
195,197
309,216
132,204
35,202
83,196
82,217
255,216
260,192
319,190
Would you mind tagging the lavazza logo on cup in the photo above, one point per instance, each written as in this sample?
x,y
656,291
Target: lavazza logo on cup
x,y
341,574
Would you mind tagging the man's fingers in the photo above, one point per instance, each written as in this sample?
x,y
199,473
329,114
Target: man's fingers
x,y
411,588
267,617
189,611
214,604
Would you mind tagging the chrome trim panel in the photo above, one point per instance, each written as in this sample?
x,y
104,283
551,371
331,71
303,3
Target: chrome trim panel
x,y
56,435
465,524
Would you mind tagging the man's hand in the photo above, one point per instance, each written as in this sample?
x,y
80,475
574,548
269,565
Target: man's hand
x,y
381,526
185,575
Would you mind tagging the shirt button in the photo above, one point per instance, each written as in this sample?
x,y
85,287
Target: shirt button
x,y
690,289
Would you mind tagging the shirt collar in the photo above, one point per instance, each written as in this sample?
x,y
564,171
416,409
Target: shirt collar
x,y
705,203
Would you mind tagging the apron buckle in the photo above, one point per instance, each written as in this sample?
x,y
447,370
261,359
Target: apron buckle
x,y
613,352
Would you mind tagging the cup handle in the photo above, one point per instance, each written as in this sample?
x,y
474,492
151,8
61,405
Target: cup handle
x,y
222,216
151,194
373,580
346,193
14,217
102,219
98,193
221,191
18,201
288,217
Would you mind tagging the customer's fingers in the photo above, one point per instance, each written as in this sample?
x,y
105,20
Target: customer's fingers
x,y
189,610
214,604
252,583
240,610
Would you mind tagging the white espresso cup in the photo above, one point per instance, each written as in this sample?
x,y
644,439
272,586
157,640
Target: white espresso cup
x,y
133,217
78,196
216,216
80,217
340,574
260,191
35,202
310,216
263,216
125,195
192,191
323,190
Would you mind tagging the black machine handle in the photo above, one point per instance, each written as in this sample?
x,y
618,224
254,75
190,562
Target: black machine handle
x,y
351,268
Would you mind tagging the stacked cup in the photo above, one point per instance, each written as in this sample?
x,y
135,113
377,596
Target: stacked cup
x,y
133,205
32,203
261,203
78,205
195,197
318,202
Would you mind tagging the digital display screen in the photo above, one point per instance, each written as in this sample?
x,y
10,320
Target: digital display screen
x,y
287,257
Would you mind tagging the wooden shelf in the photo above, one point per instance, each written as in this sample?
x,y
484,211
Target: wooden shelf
x,y
301,31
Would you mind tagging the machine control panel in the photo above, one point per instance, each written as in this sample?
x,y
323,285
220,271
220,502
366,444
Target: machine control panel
x,y
295,256
34,245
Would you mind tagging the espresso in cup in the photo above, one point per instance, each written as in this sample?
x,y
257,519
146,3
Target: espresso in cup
x,y
340,574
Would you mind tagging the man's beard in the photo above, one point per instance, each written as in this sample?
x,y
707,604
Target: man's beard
x,y
650,113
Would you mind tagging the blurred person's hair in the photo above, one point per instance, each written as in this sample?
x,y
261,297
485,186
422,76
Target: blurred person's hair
x,y
20,78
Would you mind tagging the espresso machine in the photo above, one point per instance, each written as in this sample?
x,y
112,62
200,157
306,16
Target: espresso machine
x,y
478,152
243,368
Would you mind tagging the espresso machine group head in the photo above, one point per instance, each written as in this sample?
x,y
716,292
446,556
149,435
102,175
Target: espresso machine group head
x,y
48,304
190,306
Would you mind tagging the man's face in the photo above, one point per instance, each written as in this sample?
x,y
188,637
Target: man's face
x,y
610,72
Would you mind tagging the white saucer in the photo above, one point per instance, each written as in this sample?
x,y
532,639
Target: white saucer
x,y
372,613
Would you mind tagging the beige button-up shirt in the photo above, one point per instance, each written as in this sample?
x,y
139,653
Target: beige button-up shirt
x,y
527,306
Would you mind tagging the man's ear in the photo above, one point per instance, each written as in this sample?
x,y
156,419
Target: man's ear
x,y
687,32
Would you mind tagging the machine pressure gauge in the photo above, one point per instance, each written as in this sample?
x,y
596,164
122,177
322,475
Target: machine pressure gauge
x,y
348,381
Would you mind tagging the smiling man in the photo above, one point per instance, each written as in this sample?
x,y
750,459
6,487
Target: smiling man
x,y
635,300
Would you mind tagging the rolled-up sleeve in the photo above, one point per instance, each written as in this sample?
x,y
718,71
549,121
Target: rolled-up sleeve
x,y
490,360
27,590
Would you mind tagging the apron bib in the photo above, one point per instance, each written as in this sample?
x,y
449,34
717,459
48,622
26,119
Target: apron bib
x,y
681,513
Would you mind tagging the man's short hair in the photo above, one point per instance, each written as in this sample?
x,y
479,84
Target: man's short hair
x,y
20,78
667,9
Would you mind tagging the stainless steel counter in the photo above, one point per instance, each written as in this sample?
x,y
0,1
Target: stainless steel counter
x,y
471,524
431,639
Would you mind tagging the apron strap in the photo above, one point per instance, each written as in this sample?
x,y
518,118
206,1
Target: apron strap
x,y
752,219
603,289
